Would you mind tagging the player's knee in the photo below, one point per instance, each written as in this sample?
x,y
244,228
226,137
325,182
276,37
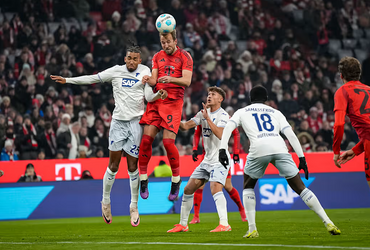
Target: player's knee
x,y
113,166
168,143
216,187
132,167
188,190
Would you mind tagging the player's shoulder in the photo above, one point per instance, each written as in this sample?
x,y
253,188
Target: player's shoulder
x,y
160,53
142,67
183,53
223,113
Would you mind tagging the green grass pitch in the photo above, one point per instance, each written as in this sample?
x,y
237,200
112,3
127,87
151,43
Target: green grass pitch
x,y
277,229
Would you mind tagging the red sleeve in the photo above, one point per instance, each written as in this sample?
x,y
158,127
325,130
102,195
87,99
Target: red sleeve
x,y
341,100
196,138
154,61
359,148
236,141
338,130
187,61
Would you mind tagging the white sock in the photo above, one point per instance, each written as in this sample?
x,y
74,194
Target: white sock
x,y
220,201
176,179
143,177
249,201
313,203
134,186
186,206
108,181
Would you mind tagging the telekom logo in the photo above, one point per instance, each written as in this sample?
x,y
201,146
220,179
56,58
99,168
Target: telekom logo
x,y
67,171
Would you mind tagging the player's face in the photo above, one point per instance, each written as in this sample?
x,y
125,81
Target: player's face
x,y
132,60
168,44
213,99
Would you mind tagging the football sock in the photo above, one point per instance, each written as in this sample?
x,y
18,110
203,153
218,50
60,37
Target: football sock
x,y
220,201
249,200
134,187
108,181
173,158
198,197
234,195
145,153
313,203
186,206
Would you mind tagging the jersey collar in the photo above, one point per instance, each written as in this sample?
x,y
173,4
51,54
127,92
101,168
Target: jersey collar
x,y
214,112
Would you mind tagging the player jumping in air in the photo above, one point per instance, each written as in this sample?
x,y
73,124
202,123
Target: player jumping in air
x,y
172,70
125,131
352,99
234,194
262,124
213,120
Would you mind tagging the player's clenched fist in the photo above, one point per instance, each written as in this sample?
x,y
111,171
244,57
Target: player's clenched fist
x,y
145,79
222,158
58,79
163,93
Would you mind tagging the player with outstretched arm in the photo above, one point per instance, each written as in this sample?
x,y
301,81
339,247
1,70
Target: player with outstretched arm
x,y
125,131
263,126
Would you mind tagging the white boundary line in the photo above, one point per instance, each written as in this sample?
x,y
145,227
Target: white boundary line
x,y
184,243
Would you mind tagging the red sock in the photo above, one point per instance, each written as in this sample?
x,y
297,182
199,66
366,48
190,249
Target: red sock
x,y
234,195
145,153
172,155
198,197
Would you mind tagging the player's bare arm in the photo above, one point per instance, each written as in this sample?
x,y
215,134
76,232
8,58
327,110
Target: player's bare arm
x,y
183,81
217,131
151,80
58,79
187,125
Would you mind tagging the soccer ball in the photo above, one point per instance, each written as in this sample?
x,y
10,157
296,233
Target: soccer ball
x,y
165,23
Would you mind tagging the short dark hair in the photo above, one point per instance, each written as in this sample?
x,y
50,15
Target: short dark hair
x,y
258,94
173,34
134,48
350,68
218,90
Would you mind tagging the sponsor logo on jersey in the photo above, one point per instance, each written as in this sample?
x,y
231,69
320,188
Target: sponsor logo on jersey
x,y
207,132
128,82
162,60
276,193
137,74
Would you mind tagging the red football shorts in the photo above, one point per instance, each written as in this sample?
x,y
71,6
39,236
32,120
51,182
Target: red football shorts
x,y
229,174
367,159
163,114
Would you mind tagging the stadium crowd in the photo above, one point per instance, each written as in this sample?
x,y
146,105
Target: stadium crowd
x,y
284,45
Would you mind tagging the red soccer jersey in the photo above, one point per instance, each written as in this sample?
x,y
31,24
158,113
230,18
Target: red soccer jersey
x,y
172,65
353,98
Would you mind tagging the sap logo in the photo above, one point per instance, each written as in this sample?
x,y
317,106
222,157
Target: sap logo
x,y
207,132
68,167
128,82
277,191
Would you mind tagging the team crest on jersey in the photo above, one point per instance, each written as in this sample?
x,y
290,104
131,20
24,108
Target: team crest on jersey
x,y
207,132
128,83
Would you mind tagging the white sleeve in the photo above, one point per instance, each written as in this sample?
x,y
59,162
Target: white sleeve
x,y
229,128
104,76
224,119
236,119
283,123
149,94
197,118
293,140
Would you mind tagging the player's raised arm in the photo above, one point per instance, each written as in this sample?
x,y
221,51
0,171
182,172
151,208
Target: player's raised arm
x,y
104,76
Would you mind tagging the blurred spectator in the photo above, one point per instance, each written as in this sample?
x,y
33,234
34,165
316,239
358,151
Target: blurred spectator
x,y
30,175
86,175
64,125
70,140
28,140
48,141
41,155
8,154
